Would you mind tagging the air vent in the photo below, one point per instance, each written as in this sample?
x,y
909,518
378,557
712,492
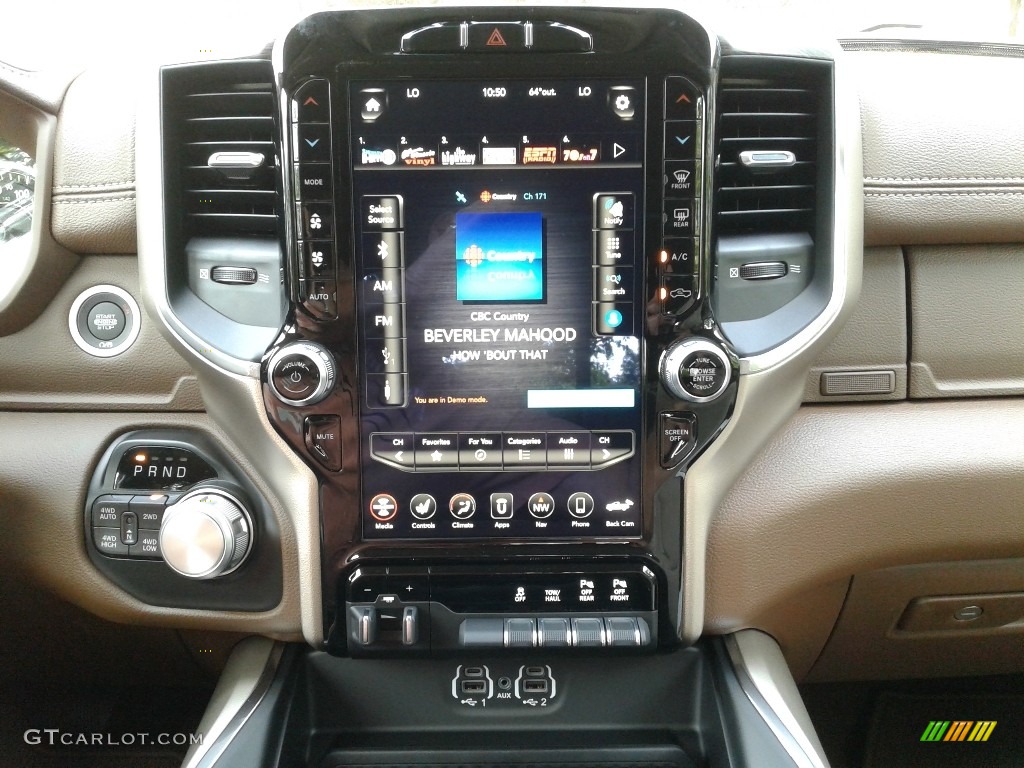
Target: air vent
x,y
222,153
768,144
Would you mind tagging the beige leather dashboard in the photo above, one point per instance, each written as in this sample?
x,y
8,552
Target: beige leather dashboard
x,y
843,492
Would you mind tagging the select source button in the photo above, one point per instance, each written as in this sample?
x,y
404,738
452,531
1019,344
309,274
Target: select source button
x,y
106,321
382,213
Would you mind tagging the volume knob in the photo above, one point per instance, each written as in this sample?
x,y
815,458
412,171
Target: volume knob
x,y
301,373
205,534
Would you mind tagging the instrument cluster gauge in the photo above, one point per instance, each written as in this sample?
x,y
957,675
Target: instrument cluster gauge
x,y
17,185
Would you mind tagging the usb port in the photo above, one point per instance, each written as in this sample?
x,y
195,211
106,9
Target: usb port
x,y
475,686
535,672
473,671
535,686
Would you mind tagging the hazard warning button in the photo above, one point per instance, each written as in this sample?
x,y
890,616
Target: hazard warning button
x,y
496,37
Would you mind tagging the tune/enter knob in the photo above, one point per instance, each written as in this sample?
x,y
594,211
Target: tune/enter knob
x,y
301,373
205,534
696,370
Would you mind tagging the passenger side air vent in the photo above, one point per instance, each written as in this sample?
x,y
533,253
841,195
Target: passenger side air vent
x,y
223,117
774,192
768,156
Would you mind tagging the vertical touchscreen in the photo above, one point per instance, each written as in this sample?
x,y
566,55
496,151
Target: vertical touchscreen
x,y
497,232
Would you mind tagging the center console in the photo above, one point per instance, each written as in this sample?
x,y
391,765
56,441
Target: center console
x,y
503,354
498,302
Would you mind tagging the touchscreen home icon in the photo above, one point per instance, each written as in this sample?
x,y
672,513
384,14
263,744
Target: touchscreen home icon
x,y
501,506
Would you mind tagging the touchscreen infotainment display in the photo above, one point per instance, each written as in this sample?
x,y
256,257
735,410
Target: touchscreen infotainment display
x,y
498,229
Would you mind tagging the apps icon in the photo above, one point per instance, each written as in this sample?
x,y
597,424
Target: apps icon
x,y
501,506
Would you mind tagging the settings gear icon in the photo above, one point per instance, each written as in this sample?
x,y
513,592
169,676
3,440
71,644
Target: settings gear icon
x,y
620,99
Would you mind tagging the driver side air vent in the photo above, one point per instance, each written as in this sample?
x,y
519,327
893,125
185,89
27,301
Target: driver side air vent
x,y
222,203
222,115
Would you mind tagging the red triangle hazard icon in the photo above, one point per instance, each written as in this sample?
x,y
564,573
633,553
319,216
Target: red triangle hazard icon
x,y
496,38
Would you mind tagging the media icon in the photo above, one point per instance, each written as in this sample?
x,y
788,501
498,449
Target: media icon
x,y
383,507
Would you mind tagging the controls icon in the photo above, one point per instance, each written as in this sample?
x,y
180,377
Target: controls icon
x,y
541,505
423,506
462,506
581,505
383,507
501,506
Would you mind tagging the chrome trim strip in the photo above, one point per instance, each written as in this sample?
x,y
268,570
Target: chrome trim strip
x,y
236,160
767,159
239,691
754,655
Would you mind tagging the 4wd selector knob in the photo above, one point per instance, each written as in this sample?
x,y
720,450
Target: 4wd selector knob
x,y
695,369
301,373
205,534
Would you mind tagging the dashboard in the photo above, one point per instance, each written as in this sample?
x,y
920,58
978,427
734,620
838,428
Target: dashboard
x,y
486,345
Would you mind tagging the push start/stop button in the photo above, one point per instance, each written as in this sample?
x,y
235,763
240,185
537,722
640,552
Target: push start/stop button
x,y
104,320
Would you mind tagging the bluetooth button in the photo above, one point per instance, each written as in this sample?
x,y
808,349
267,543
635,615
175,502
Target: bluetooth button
x,y
383,250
